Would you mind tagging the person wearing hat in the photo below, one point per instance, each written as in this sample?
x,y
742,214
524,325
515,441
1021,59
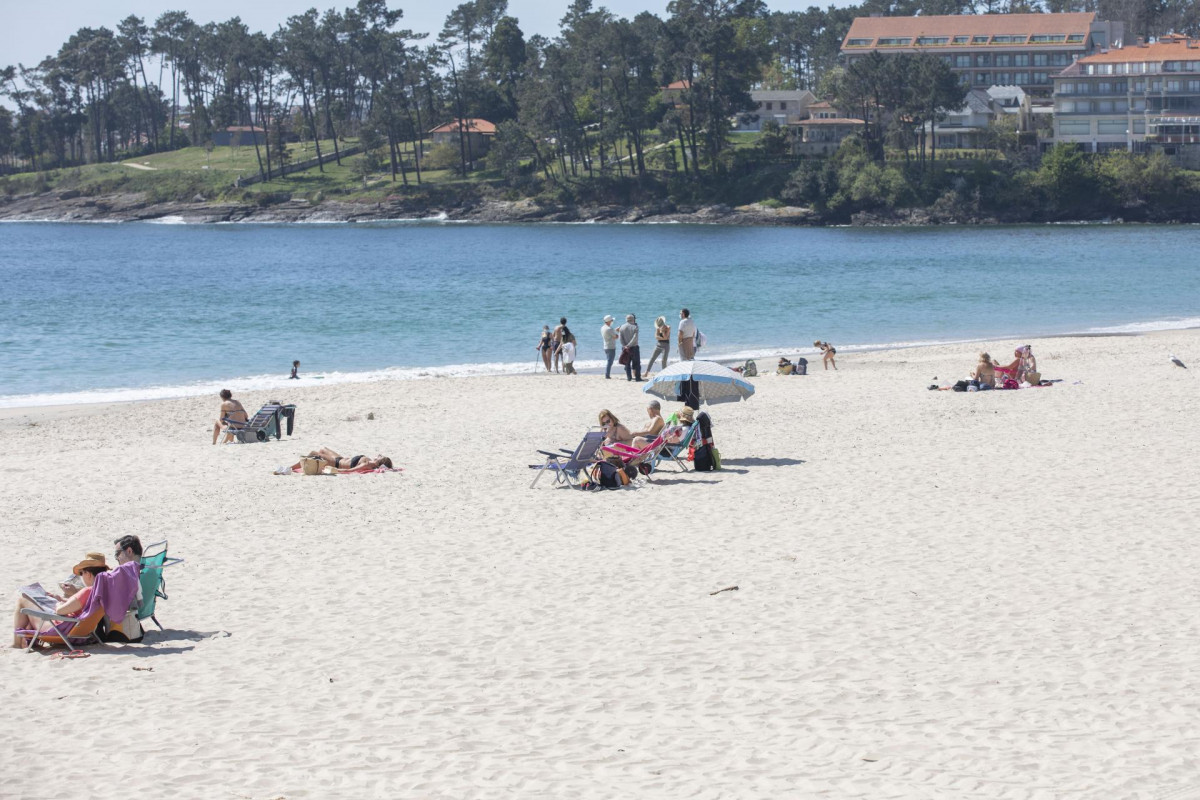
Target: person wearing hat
x,y
608,336
87,570
628,334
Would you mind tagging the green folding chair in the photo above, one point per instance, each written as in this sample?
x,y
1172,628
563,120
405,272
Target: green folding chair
x,y
154,585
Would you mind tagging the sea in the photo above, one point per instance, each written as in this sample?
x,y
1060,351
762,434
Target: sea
x,y
130,311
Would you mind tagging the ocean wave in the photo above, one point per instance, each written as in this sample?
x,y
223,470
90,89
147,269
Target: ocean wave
x,y
1175,324
170,219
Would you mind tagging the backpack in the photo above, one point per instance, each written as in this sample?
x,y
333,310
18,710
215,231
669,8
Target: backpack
x,y
750,370
604,475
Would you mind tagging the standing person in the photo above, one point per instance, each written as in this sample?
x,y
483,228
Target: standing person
x,y
568,351
662,343
829,352
544,346
556,339
608,335
687,335
628,333
295,376
232,415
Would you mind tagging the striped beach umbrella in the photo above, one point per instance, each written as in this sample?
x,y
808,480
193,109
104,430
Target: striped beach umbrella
x,y
707,380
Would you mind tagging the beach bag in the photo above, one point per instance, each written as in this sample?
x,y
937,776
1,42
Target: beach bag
x,y
716,458
786,369
750,370
1010,383
626,357
703,461
607,476
1034,378
310,466
800,367
130,629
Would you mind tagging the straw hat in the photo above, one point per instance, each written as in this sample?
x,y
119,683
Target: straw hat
x,y
311,465
687,414
90,560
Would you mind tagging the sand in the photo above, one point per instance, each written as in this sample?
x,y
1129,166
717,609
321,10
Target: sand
x,y
940,595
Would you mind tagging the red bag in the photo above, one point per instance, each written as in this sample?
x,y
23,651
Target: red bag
x,y
691,452
625,358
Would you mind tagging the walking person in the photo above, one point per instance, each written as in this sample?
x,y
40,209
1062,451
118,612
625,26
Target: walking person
x,y
687,335
662,343
628,334
544,346
608,335
568,351
556,340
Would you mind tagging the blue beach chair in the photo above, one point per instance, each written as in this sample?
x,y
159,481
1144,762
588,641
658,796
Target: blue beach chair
x,y
566,464
675,452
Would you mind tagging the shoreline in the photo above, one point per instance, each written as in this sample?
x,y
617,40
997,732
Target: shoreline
x,y
35,412
70,207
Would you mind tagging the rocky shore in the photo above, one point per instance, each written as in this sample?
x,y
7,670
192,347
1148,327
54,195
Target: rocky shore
x,y
73,207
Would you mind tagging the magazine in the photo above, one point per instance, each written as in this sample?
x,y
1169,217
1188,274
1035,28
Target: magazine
x,y
37,594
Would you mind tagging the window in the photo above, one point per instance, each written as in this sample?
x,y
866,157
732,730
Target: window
x,y
1109,127
961,39
983,78
1104,87
1066,106
933,39
895,42
1139,126
1193,86
1041,78
1156,86
1066,88
1121,106
783,105
1021,78
1059,59
1074,127
1170,66
983,60
1083,106
1047,38
1021,60
859,42
979,40
1174,86
1041,59
1004,60
962,61
1075,38
1139,86
769,105
1003,78
1139,105
1009,39
1104,107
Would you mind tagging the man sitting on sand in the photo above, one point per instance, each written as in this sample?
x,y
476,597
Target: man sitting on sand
x,y
232,416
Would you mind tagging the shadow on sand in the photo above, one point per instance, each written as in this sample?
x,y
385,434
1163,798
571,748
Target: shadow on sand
x,y
760,462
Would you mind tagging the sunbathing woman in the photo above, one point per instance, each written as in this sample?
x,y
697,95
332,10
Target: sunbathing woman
x,y
614,431
91,566
985,372
339,463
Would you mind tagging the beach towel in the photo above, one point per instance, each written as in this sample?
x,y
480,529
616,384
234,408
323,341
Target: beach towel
x,y
376,471
115,590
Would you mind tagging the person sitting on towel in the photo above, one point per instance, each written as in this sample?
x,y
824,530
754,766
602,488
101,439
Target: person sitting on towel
x,y
985,372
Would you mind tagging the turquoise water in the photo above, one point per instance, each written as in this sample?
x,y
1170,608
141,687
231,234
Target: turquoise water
x,y
127,311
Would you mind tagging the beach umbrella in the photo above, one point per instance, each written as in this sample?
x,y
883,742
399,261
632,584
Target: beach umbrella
x,y
706,380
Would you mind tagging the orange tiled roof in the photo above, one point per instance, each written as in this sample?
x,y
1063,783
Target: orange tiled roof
x,y
1168,48
969,25
469,125
678,85
820,104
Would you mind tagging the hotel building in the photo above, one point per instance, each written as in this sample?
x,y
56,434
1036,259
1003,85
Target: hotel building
x,y
1024,50
1147,95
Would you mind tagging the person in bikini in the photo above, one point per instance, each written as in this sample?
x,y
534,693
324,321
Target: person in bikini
x,y
829,352
233,415
340,463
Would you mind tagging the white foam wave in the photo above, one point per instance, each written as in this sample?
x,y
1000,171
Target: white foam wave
x,y
170,219
1175,324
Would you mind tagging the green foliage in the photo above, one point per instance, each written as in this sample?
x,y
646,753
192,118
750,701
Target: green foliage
x,y
441,156
1067,177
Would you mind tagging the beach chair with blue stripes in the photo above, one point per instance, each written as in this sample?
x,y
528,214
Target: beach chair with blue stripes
x,y
566,464
263,425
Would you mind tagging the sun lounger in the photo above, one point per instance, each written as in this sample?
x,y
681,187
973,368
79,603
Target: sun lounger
x,y
70,631
632,456
675,451
566,464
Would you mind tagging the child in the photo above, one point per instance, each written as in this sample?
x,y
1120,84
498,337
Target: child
x,y
295,371
568,356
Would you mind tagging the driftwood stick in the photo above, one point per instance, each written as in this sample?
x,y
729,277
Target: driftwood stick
x,y
726,589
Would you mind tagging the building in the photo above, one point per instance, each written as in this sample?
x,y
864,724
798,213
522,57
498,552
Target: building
x,y
672,93
783,107
478,132
1144,97
966,127
239,136
1024,50
823,131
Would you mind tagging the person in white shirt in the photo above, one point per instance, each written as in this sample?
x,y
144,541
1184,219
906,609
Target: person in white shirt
x,y
608,335
568,356
687,335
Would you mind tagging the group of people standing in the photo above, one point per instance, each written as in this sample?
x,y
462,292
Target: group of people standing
x,y
558,347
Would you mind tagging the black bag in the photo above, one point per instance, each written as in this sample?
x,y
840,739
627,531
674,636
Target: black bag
x,y
961,386
800,367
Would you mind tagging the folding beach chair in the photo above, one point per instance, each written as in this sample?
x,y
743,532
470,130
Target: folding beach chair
x,y
263,425
566,464
80,631
633,457
154,585
676,452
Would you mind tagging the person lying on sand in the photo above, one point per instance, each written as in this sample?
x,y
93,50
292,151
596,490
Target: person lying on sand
x,y
339,463
233,415
87,569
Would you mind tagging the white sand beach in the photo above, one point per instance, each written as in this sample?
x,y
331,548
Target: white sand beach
x,y
940,595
